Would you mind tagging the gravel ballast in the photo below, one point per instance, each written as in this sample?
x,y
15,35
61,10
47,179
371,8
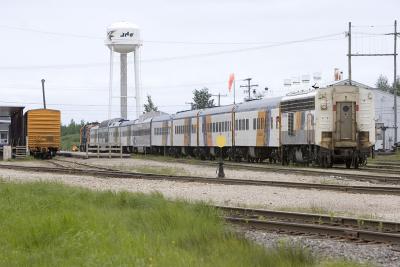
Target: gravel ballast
x,y
377,254
335,203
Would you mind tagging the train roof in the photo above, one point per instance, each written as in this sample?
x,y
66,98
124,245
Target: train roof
x,y
165,117
218,110
272,102
127,123
187,114
111,123
301,95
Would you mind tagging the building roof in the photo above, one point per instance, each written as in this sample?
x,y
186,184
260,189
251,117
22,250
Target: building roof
x,y
9,111
347,82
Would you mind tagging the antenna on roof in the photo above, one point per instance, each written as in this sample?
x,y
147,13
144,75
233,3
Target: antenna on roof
x,y
44,95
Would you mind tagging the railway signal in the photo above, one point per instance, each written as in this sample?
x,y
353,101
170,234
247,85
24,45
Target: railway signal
x,y
221,141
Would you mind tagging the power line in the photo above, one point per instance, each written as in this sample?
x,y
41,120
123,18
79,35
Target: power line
x,y
96,88
73,105
148,41
216,53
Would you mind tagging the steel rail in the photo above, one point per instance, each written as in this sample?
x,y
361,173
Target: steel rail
x,y
304,171
349,228
367,224
225,181
330,231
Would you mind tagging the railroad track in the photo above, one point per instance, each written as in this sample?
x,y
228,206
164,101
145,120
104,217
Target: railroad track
x,y
354,175
73,164
382,176
321,225
226,181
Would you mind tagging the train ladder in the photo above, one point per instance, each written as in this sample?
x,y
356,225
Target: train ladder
x,y
20,152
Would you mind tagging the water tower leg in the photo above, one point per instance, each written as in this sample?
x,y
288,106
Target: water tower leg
x,y
110,85
137,84
124,87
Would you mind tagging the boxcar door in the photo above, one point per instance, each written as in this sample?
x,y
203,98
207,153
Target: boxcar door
x,y
346,118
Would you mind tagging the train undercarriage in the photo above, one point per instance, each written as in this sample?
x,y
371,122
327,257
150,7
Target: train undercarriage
x,y
325,158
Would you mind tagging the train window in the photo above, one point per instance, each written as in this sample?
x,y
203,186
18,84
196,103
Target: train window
x,y
240,125
272,122
220,126
247,124
213,127
291,123
226,126
236,124
277,122
254,123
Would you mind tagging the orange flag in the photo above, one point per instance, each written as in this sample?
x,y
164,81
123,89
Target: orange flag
x,y
230,81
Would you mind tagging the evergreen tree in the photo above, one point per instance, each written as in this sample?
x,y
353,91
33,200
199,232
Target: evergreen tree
x,y
202,99
382,83
150,105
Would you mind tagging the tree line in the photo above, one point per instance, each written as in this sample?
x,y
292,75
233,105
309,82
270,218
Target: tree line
x,y
72,127
383,84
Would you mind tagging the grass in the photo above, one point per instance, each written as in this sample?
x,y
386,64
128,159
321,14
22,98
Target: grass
x,y
28,158
378,158
47,224
68,140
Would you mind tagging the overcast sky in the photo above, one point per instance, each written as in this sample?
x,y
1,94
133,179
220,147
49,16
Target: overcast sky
x,y
187,45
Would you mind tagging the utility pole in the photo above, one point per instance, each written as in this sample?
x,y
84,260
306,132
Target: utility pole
x,y
248,86
349,53
395,83
394,54
219,98
44,95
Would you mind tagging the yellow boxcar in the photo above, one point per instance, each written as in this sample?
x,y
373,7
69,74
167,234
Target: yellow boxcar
x,y
43,132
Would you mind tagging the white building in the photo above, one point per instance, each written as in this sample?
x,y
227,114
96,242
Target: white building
x,y
4,125
384,116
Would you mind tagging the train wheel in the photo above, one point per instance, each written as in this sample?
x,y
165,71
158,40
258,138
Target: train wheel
x,y
356,163
348,163
329,161
323,161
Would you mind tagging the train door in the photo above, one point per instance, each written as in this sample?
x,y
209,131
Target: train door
x,y
346,115
310,128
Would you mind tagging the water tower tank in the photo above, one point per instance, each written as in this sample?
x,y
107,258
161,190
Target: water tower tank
x,y
123,37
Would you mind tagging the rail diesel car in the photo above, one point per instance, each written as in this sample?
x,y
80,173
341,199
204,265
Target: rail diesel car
x,y
321,126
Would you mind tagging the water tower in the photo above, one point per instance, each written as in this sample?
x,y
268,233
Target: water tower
x,y
124,38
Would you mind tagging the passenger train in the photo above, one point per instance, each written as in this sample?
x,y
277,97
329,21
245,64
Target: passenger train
x,y
322,126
